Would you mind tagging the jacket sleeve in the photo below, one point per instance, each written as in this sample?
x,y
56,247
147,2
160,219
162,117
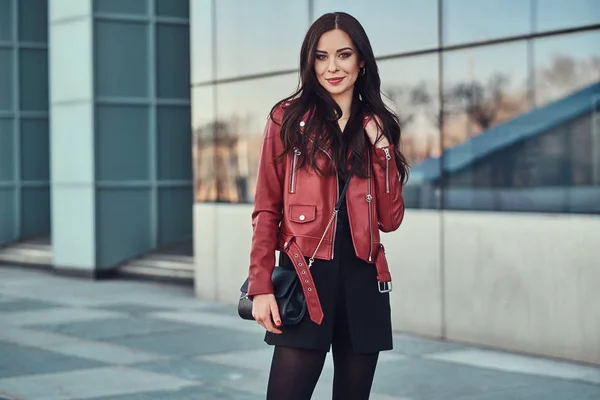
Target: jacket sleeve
x,y
388,188
267,213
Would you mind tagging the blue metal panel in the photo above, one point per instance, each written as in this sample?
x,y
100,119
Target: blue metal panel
x,y
128,7
175,214
121,143
36,211
174,143
35,154
122,225
33,21
121,59
7,158
173,8
33,79
7,215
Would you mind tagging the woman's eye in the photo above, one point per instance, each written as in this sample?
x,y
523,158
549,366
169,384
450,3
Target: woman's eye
x,y
345,55
320,57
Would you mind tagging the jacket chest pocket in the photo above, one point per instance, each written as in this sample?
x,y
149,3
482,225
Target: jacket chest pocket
x,y
302,213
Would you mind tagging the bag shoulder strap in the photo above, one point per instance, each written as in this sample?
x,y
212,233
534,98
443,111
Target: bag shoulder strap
x,y
336,209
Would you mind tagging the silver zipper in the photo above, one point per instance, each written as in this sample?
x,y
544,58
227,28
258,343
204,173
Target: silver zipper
x,y
369,199
387,169
337,196
293,180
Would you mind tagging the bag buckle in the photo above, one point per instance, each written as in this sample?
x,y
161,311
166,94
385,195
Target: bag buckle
x,y
384,287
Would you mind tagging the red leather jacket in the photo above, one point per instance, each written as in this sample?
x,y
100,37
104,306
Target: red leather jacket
x,y
292,208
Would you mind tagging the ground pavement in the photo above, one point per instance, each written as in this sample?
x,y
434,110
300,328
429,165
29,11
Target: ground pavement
x,y
71,338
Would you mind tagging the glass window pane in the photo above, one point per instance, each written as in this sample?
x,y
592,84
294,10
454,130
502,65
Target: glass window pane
x,y
122,139
242,110
393,26
123,224
136,7
174,214
561,14
174,143
173,8
34,80
201,40
6,20
565,64
33,20
255,37
412,86
567,89
485,90
7,215
475,20
7,151
203,116
6,79
35,149
35,211
121,55
173,61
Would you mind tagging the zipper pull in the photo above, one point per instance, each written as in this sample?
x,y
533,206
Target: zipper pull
x,y
387,153
369,198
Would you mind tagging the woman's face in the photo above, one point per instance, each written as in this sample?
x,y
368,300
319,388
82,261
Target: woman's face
x,y
336,63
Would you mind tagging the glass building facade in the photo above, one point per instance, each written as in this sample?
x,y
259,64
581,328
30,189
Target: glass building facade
x,y
499,100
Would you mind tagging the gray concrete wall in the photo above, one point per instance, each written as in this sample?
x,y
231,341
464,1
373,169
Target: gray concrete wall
x,y
524,282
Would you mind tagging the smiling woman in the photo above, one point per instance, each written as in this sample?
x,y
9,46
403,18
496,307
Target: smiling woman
x,y
330,178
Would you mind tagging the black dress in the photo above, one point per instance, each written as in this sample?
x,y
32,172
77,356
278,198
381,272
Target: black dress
x,y
355,312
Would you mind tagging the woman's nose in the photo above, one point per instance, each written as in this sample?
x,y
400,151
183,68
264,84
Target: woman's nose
x,y
332,65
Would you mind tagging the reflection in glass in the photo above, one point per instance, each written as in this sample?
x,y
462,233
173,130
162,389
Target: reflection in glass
x,y
476,20
561,14
398,26
255,37
202,138
503,154
484,88
412,86
228,135
565,64
242,111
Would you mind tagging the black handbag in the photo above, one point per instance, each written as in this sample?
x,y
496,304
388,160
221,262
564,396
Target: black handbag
x,y
286,285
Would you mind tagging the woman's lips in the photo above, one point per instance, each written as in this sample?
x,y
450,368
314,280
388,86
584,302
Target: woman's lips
x,y
335,81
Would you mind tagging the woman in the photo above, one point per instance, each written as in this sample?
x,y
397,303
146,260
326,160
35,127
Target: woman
x,y
334,131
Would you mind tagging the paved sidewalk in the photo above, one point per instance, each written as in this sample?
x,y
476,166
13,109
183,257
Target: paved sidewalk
x,y
69,338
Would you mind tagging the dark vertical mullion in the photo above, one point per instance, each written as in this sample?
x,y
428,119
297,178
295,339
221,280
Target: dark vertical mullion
x,y
153,156
18,229
442,181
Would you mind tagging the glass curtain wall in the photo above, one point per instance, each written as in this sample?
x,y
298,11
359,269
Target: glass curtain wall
x,y
499,100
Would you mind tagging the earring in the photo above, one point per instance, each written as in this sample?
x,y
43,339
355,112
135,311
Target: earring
x,y
362,71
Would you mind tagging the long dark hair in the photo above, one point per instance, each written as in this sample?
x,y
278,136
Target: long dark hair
x,y
321,130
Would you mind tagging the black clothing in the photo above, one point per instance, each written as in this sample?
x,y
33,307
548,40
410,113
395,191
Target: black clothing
x,y
295,373
356,314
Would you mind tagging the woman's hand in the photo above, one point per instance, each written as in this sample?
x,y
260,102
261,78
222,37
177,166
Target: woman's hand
x,y
374,133
263,307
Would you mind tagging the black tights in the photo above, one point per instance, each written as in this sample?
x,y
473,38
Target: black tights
x,y
295,372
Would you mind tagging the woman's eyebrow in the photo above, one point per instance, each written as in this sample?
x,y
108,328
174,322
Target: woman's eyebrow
x,y
338,51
